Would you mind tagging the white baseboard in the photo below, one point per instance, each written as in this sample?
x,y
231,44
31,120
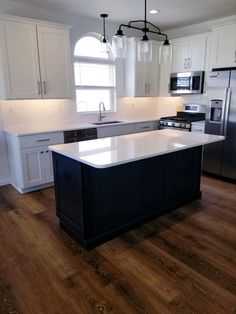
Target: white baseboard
x,y
4,182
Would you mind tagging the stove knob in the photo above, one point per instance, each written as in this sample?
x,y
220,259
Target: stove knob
x,y
173,124
183,125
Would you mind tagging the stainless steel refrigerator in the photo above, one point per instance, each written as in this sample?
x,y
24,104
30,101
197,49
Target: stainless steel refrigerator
x,y
220,158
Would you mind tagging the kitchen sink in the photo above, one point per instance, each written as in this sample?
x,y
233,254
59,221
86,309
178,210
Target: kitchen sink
x,y
106,122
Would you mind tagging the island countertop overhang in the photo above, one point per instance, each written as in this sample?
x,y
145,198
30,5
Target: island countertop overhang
x,y
113,151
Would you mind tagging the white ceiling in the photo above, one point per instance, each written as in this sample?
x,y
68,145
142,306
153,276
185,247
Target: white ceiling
x,y
173,13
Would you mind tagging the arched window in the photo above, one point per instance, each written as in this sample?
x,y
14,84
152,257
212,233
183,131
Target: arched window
x,y
94,71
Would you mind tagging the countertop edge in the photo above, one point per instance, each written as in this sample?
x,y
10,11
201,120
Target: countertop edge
x,y
79,126
140,157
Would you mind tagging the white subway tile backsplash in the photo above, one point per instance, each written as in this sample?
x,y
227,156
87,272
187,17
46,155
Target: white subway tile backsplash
x,y
56,111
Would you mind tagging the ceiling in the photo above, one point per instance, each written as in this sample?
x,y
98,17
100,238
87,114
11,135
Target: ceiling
x,y
173,13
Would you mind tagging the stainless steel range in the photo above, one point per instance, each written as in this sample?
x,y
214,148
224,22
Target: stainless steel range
x,y
182,121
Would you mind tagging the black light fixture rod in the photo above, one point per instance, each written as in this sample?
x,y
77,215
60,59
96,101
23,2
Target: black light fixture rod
x,y
124,25
158,33
144,29
104,27
145,18
129,26
137,21
154,26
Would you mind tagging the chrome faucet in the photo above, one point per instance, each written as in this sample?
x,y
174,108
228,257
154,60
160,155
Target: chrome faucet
x,y
101,106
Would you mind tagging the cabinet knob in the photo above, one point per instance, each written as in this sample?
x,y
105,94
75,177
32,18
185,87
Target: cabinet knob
x,y
41,152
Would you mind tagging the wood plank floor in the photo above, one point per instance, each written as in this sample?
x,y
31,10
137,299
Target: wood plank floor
x,y
183,262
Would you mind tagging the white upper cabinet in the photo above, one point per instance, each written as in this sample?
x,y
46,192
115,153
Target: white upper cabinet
x,y
20,63
55,65
141,78
223,52
35,61
189,54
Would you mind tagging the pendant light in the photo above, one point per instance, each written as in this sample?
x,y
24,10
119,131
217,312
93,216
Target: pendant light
x,y
119,41
105,45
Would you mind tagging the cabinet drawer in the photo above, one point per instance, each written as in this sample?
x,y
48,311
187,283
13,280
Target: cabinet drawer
x,y
198,128
115,130
41,139
144,126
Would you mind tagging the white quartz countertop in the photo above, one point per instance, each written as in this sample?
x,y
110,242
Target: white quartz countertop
x,y
31,130
112,151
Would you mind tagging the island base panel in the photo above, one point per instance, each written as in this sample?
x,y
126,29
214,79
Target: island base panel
x,y
95,205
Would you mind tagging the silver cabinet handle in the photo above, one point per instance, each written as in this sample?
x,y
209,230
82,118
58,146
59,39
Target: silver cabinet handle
x,y
43,140
149,88
146,88
44,88
145,127
39,87
189,63
235,56
185,63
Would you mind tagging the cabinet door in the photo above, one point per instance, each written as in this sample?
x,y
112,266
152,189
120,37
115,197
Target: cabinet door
x,y
180,55
140,82
224,47
152,73
197,54
33,166
141,78
20,61
48,166
55,62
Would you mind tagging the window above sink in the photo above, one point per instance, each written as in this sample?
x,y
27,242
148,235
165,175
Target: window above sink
x,y
94,72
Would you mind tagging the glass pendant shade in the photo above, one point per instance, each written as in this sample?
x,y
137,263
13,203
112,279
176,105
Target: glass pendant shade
x,y
144,50
165,54
105,47
119,45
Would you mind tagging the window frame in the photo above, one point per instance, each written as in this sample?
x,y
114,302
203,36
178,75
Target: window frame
x,y
102,61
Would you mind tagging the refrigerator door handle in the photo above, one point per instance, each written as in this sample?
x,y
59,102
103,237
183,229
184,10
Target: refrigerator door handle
x,y
226,113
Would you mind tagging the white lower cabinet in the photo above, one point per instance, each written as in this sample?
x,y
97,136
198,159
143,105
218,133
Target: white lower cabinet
x,y
31,161
198,127
37,166
122,129
115,130
145,126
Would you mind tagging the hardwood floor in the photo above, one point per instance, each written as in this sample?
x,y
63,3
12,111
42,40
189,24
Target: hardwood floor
x,y
183,262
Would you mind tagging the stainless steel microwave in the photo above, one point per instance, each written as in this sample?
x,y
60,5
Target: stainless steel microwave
x,y
183,83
